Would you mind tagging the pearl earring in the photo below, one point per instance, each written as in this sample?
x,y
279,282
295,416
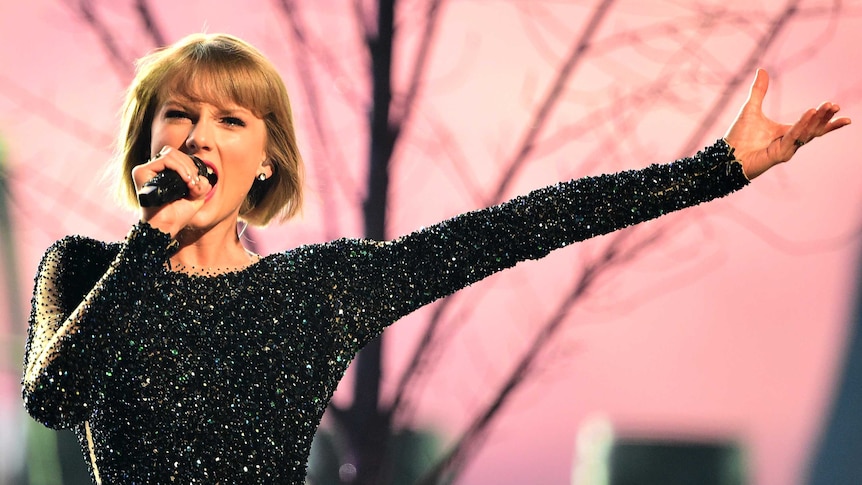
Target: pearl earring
x,y
261,177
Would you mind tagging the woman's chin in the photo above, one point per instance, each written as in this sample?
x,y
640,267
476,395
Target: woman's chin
x,y
207,219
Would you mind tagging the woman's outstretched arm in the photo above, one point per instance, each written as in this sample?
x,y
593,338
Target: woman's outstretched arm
x,y
378,282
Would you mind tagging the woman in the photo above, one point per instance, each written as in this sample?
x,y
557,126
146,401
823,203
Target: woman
x,y
180,357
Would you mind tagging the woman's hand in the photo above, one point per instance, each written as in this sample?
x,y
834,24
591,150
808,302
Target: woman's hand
x,y
173,217
761,143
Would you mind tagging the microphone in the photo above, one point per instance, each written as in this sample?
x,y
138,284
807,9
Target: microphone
x,y
167,186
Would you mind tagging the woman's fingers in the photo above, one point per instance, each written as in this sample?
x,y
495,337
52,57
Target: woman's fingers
x,y
831,124
758,90
825,113
172,217
181,164
815,123
799,133
171,159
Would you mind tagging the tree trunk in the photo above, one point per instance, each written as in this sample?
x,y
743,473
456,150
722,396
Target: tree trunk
x,y
368,424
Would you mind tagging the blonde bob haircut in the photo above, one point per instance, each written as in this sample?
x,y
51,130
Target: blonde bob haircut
x,y
219,69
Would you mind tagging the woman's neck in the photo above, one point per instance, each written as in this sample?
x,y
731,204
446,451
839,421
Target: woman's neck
x,y
217,247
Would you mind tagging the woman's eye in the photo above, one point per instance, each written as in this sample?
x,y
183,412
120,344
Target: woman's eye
x,y
175,113
233,121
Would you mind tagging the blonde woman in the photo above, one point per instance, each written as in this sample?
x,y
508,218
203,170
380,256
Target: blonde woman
x,y
180,357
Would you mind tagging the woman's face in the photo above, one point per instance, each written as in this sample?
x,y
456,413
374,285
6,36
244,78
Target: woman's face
x,y
230,139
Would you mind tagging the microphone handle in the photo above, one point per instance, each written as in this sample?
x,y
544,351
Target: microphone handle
x,y
166,187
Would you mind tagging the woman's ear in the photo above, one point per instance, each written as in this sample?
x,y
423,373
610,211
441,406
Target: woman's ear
x,y
266,167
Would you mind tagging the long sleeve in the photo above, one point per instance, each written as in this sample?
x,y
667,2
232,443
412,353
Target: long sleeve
x,y
69,303
375,283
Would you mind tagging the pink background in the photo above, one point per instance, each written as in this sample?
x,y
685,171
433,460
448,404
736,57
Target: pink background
x,y
732,327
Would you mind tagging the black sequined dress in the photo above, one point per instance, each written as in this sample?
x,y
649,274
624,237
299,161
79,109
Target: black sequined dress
x,y
172,378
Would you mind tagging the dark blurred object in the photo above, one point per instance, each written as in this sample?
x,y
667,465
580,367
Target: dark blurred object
x,y
72,459
410,455
54,458
635,461
838,459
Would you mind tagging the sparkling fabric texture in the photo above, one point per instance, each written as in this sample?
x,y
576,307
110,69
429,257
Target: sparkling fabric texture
x,y
174,378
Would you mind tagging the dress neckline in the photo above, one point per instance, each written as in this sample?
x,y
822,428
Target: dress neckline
x,y
212,272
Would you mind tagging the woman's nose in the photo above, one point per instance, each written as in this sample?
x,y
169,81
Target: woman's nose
x,y
199,136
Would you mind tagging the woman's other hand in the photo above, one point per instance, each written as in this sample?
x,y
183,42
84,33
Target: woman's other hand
x,y
761,143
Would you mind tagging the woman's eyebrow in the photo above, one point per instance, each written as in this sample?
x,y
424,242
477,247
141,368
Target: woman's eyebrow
x,y
234,110
175,102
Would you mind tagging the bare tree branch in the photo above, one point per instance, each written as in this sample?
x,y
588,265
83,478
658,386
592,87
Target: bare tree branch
x,y
363,20
316,49
121,62
525,147
458,455
432,342
454,460
48,112
631,104
742,75
785,245
627,105
827,32
333,166
48,207
420,63
444,140
543,114
151,27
